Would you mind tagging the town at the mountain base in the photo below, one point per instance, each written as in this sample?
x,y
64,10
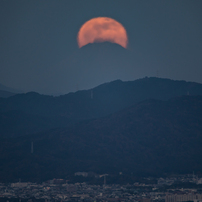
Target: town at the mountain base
x,y
169,189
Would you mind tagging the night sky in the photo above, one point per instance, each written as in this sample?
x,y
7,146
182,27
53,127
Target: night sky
x,y
38,40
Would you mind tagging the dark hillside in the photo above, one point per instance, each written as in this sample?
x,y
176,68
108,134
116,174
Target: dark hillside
x,y
87,104
149,138
102,100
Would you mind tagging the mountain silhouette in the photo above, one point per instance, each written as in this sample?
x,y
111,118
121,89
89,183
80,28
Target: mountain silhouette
x,y
8,89
6,94
52,112
152,137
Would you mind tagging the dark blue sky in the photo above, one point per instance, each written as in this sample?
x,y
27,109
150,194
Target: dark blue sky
x,y
38,38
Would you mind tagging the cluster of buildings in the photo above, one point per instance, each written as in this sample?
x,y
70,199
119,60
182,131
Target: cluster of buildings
x,y
60,190
184,196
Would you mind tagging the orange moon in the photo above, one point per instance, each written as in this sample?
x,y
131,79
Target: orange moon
x,y
102,29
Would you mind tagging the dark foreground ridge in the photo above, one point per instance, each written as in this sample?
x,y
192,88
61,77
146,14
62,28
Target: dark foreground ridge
x,y
152,137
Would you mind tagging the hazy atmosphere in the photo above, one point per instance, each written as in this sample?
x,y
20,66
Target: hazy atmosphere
x,y
38,43
100,100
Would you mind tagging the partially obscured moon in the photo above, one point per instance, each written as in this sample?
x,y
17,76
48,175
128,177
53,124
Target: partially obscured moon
x,y
102,29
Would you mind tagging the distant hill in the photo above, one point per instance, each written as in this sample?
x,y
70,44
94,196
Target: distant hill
x,y
84,105
6,94
152,137
8,89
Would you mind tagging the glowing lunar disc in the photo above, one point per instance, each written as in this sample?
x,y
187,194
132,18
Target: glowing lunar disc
x,y
102,29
